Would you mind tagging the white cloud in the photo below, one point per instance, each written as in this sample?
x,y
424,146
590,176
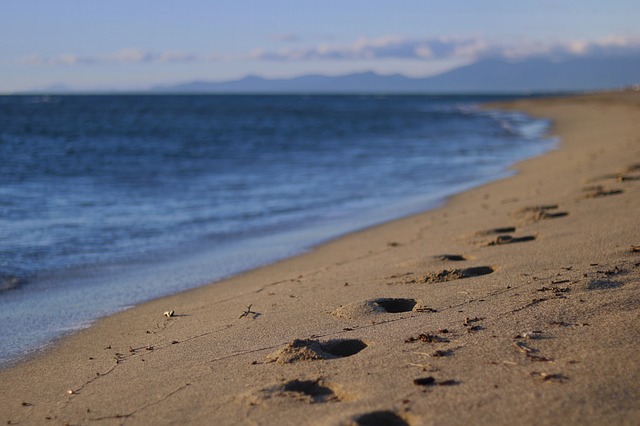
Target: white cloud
x,y
608,46
177,57
389,47
122,56
129,55
63,59
468,48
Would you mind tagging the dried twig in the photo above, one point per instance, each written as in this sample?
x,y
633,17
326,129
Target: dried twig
x,y
248,311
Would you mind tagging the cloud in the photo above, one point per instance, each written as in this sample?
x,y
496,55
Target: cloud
x,y
123,56
378,48
438,48
130,56
388,47
368,49
63,59
608,46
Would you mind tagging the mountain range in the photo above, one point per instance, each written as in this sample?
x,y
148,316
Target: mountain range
x,y
486,76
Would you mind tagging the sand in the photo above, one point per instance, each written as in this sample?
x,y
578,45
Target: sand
x,y
515,303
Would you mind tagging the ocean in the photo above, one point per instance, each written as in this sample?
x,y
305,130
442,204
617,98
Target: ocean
x,y
109,201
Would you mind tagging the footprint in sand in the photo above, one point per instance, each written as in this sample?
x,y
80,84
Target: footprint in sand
x,y
540,212
445,275
629,174
378,418
618,177
503,236
633,168
508,239
599,191
380,306
310,391
451,257
603,284
502,230
312,350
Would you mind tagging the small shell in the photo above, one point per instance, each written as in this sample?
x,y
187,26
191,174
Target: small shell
x,y
169,314
531,334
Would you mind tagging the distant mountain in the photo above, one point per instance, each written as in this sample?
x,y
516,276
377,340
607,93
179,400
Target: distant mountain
x,y
360,82
540,75
487,76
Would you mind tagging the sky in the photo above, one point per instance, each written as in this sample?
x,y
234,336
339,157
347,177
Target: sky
x,y
137,44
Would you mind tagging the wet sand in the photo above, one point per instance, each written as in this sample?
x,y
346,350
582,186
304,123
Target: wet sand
x,y
515,303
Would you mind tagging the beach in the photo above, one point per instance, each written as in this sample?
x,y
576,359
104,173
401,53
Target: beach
x,y
514,303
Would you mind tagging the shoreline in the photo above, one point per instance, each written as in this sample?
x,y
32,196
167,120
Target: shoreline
x,y
130,280
230,349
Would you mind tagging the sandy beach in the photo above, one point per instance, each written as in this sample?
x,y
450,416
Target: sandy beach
x,y
515,303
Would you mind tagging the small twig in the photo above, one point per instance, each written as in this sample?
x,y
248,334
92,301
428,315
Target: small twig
x,y
528,305
248,311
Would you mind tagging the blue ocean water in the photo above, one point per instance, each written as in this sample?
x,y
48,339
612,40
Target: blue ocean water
x,y
107,201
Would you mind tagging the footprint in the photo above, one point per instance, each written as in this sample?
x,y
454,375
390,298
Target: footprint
x,y
599,192
547,215
431,381
342,348
451,257
310,391
448,275
508,239
633,168
379,306
311,350
503,230
378,418
394,306
626,178
603,284
618,177
540,212
539,207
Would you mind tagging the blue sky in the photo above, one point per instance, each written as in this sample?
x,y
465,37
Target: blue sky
x,y
136,44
